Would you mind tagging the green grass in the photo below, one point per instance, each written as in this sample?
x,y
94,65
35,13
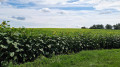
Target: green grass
x,y
93,58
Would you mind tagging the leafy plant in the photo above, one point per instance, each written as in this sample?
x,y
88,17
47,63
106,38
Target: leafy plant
x,y
21,45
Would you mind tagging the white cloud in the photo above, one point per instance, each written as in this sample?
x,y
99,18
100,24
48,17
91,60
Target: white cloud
x,y
105,4
54,1
53,12
47,17
62,12
108,5
57,18
97,4
105,12
45,10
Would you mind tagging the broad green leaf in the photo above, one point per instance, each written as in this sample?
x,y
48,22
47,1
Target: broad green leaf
x,y
12,54
5,47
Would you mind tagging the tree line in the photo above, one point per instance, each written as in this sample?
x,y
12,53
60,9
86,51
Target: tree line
x,y
107,26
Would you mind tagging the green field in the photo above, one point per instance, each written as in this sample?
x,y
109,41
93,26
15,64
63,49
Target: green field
x,y
69,31
94,58
22,45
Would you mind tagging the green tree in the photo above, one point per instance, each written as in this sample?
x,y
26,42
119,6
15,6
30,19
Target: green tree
x,y
108,26
83,27
93,27
117,26
98,26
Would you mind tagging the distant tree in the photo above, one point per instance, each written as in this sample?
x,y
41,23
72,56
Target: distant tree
x,y
108,26
99,26
93,27
83,27
117,26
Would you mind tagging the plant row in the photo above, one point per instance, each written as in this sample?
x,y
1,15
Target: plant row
x,y
20,48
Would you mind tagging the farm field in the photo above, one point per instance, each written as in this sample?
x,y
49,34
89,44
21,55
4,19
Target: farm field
x,y
92,58
69,31
59,33
22,45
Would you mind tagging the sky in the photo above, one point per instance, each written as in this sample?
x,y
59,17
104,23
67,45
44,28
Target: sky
x,y
59,13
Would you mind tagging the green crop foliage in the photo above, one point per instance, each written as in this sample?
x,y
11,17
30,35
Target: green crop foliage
x,y
21,45
87,58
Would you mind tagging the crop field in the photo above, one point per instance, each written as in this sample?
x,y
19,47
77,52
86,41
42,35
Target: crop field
x,y
69,31
59,33
20,45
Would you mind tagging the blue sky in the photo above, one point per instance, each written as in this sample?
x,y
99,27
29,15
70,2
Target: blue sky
x,y
20,5
59,13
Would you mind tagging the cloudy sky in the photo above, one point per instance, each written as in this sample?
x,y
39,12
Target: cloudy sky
x,y
59,13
